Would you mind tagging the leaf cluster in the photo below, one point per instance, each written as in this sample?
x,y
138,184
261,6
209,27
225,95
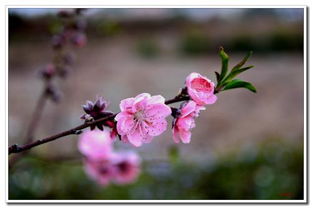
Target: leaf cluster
x,y
226,79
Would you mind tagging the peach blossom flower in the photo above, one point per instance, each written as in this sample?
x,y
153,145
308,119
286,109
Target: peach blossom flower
x,y
200,89
127,167
104,165
100,170
185,121
141,118
95,144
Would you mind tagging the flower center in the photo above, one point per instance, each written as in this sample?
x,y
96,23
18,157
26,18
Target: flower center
x,y
139,116
124,167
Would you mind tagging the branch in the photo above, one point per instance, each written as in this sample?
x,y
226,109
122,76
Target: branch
x,y
76,130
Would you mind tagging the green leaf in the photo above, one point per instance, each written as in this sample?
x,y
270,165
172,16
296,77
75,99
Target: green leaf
x,y
242,62
237,72
237,83
217,76
225,62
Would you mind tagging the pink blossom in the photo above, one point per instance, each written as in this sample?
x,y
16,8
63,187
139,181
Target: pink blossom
x,y
95,144
185,121
99,170
127,167
141,118
200,89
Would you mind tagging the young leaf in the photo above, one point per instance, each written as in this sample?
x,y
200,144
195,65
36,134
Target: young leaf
x,y
217,76
242,62
236,72
237,83
225,62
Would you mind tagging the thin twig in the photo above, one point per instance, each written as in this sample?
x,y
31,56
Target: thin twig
x,y
36,116
76,130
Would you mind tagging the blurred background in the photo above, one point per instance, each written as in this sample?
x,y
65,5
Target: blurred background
x,y
246,146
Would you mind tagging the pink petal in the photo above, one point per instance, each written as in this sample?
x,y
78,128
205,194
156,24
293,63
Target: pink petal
x,y
188,108
157,128
157,111
211,100
125,125
186,123
95,144
122,115
142,95
156,99
190,77
135,138
126,104
140,102
176,135
185,136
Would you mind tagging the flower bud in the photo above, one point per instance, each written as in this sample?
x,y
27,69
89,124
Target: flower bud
x,y
53,93
48,71
58,41
96,110
79,40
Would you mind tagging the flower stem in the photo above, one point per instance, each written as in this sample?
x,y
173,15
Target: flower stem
x,y
76,130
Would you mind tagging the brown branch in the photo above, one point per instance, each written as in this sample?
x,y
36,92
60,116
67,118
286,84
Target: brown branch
x,y
76,130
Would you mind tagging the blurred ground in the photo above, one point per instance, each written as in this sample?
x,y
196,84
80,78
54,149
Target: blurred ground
x,y
129,60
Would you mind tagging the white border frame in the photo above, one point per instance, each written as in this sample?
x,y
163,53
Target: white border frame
x,y
286,201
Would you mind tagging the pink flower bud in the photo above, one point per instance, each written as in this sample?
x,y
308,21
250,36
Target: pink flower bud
x,y
200,89
183,124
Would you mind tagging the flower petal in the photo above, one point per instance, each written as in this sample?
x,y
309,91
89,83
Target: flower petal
x,y
156,99
176,135
135,138
211,100
140,102
188,108
126,104
157,111
185,136
125,125
157,128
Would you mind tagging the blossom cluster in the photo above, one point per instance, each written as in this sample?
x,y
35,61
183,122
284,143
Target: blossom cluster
x,y
103,164
143,117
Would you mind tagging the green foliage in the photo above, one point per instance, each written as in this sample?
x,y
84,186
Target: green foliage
x,y
271,170
225,63
237,83
226,80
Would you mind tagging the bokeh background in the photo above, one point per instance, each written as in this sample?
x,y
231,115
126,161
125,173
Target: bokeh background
x,y
246,146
